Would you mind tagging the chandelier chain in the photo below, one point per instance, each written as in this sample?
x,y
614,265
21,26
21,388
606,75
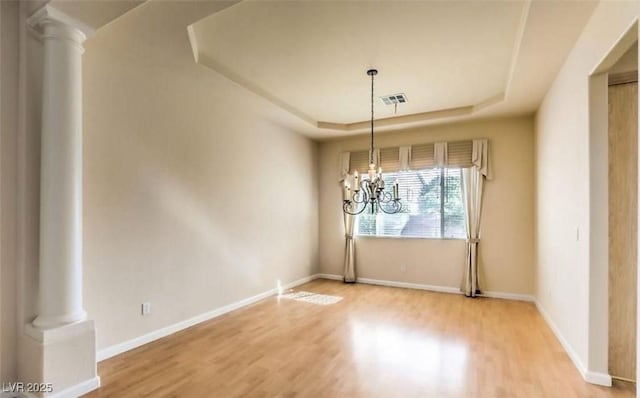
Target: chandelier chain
x,y
371,147
370,190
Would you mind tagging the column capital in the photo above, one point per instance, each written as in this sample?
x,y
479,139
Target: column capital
x,y
73,29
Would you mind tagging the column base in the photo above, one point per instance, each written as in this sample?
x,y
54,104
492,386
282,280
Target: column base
x,y
46,322
63,356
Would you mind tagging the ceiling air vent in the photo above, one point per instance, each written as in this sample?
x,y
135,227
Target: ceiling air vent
x,y
394,99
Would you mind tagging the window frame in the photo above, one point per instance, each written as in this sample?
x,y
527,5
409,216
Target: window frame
x,y
442,213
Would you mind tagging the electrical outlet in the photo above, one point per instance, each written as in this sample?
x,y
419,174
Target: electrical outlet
x,y
403,268
146,308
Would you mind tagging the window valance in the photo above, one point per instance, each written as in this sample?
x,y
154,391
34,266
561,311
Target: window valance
x,y
453,154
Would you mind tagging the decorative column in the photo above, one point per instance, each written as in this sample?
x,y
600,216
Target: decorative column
x,y
60,342
60,285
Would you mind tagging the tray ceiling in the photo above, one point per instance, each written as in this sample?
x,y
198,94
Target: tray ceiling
x,y
450,59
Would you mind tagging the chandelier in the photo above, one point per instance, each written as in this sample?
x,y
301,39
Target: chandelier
x,y
369,190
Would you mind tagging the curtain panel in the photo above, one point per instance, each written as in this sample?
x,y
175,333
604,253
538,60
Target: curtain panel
x,y
472,191
440,154
349,249
344,166
404,158
472,185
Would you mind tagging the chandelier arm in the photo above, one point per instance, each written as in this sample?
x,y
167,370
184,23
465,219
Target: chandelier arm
x,y
360,197
385,197
397,207
358,201
346,207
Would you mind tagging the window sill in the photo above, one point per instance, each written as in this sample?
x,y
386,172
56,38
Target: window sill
x,y
406,237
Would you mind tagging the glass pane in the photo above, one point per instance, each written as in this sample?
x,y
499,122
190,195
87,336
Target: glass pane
x,y
454,219
423,202
420,192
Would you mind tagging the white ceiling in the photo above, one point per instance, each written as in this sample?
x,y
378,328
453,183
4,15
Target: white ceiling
x,y
452,59
96,14
314,55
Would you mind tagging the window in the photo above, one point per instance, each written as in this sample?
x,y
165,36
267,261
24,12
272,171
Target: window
x,y
431,207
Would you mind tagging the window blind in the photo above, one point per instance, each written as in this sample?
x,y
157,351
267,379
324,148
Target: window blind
x,y
432,207
453,220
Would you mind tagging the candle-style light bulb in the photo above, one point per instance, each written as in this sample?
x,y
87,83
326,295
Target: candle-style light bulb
x,y
345,190
356,181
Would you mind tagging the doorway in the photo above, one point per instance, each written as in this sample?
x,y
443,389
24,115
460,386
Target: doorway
x,y
622,101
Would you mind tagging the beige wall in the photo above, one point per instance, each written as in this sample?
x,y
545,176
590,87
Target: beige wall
x,y
571,177
507,230
194,196
194,199
8,146
628,62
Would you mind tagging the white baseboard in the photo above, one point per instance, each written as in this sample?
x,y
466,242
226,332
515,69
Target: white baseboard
x,y
598,378
297,282
601,379
431,288
176,327
333,277
77,390
510,296
408,285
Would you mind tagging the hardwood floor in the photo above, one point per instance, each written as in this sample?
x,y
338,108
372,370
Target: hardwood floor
x,y
376,342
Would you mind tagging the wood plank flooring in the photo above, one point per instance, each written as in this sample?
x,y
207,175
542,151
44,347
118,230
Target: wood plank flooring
x,y
376,342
